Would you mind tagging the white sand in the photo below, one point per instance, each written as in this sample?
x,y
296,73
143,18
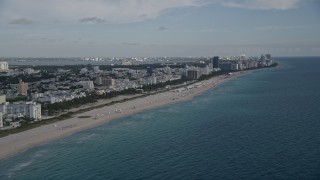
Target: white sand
x,y
16,143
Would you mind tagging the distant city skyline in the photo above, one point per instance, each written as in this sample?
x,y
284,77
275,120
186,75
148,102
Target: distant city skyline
x,y
149,28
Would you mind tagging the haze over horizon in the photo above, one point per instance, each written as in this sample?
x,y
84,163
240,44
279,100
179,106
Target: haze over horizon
x,y
71,28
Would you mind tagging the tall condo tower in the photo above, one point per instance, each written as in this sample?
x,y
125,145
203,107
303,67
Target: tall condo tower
x,y
215,62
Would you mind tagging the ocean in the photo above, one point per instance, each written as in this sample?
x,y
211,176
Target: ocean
x,y
264,125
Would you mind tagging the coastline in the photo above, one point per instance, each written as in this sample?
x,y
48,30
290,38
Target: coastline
x,y
16,143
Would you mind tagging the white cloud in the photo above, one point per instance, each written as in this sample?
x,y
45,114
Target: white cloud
x,y
162,28
280,28
207,30
262,4
92,19
116,11
21,21
112,11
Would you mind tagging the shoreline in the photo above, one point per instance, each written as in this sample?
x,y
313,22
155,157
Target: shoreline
x,y
14,144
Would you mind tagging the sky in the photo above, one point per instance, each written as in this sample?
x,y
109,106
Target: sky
x,y
153,28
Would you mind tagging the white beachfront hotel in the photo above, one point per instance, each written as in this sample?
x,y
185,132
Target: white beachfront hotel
x,y
4,66
25,109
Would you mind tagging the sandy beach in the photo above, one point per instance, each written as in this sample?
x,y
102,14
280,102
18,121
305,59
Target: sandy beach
x,y
17,143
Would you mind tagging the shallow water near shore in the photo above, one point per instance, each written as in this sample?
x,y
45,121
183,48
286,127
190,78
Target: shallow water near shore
x,y
264,125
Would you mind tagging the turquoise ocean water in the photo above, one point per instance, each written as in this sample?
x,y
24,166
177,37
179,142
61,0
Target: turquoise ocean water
x,y
265,125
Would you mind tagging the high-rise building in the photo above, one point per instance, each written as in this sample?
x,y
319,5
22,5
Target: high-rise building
x,y
243,57
26,109
194,74
215,62
268,56
4,66
87,85
226,66
262,57
107,81
152,79
22,87
149,71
